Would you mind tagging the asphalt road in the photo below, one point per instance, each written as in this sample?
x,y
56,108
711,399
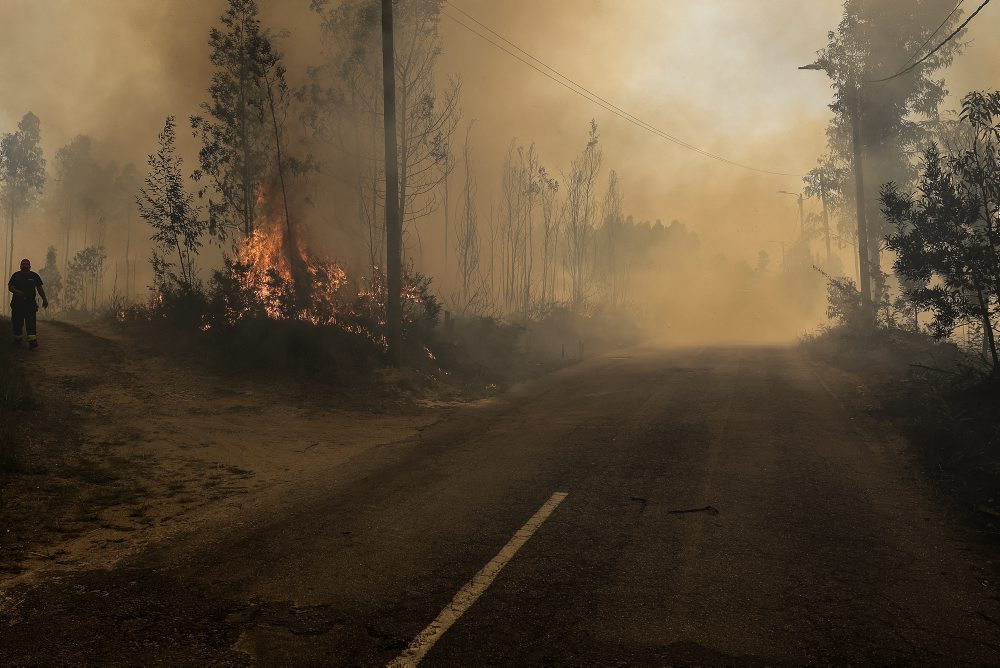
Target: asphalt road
x,y
812,539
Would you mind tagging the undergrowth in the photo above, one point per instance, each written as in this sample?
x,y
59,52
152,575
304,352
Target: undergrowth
x,y
940,396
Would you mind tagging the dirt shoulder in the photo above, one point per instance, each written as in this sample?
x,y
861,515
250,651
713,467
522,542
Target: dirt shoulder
x,y
936,396
123,447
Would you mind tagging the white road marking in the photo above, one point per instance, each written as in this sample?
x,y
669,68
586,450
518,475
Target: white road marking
x,y
474,588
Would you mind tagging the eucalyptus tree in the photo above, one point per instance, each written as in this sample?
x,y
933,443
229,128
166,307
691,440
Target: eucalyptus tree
x,y
947,235
467,240
519,189
167,206
83,279
552,216
875,40
581,210
234,130
612,256
22,173
346,105
829,181
75,168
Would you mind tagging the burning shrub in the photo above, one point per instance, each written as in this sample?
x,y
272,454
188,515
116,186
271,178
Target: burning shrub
x,y
421,310
294,311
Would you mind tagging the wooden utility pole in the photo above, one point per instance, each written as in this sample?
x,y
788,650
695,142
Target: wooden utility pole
x,y
393,224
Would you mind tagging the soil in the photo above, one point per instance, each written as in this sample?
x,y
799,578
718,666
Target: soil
x,y
125,445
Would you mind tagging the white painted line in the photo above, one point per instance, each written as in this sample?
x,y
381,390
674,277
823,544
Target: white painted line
x,y
474,588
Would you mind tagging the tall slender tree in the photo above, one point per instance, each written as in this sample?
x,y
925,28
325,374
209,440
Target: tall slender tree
x,y
870,44
22,173
165,203
467,230
346,99
235,128
947,236
581,207
75,167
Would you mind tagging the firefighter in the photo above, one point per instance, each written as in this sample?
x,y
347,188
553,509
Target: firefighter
x,y
24,285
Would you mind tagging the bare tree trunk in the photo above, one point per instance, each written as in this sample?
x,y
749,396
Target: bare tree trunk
x,y
302,288
393,221
984,310
864,266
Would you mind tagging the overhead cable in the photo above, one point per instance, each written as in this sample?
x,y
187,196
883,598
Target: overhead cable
x,y
936,48
564,81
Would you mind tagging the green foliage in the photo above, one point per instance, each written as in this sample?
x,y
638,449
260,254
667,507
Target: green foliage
x,y
83,279
22,173
235,147
22,167
946,234
170,210
843,301
871,42
241,294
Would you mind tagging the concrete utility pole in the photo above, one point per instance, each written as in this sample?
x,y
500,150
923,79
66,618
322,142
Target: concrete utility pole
x,y
393,225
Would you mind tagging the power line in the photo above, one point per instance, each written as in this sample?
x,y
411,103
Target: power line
x,y
936,48
589,95
932,35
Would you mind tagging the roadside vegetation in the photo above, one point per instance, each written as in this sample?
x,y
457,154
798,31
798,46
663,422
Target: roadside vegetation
x,y
929,349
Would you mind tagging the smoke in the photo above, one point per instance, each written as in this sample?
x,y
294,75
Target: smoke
x,y
720,74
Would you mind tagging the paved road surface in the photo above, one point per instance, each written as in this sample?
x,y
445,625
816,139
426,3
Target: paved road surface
x,y
820,544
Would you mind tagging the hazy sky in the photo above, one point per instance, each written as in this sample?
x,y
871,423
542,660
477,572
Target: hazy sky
x,y
720,74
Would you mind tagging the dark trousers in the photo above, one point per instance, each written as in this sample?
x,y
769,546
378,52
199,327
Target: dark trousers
x,y
24,315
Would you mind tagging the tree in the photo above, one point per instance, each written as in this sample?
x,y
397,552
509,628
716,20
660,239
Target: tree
x,y
467,230
83,279
946,236
75,167
170,210
51,277
127,183
869,44
829,181
346,105
22,173
580,210
519,187
552,215
611,260
234,132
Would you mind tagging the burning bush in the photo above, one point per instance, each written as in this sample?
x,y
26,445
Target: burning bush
x,y
307,302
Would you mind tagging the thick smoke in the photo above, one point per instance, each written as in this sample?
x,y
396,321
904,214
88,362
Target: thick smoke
x,y
721,74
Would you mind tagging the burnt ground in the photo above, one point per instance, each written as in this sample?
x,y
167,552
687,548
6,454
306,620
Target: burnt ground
x,y
724,506
940,397
121,443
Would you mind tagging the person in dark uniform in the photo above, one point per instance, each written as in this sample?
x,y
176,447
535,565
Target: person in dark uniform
x,y
24,285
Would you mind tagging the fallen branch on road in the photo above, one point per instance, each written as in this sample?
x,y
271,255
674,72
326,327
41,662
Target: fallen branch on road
x,y
711,510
